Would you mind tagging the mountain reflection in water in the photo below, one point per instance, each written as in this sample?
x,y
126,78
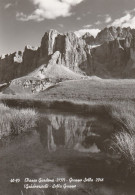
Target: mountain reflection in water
x,y
74,132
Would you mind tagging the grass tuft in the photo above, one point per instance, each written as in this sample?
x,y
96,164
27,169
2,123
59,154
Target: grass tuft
x,y
124,143
15,121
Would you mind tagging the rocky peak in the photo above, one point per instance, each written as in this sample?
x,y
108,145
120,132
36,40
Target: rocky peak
x,y
18,57
2,56
89,39
48,42
31,47
55,59
72,38
112,33
119,32
87,34
104,36
123,32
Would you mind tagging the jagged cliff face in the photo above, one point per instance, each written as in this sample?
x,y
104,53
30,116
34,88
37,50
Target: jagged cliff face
x,y
114,58
110,55
110,59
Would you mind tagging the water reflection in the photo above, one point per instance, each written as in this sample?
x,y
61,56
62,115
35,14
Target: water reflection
x,y
72,132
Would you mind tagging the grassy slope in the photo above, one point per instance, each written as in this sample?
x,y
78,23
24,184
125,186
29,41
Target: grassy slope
x,y
91,89
82,90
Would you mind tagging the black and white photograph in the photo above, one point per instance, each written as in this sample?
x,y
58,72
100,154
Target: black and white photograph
x,y
67,97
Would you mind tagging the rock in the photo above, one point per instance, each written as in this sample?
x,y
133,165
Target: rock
x,y
110,59
18,57
48,43
74,54
89,39
112,33
104,36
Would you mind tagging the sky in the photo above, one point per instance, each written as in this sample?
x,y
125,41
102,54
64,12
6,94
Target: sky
x,y
24,22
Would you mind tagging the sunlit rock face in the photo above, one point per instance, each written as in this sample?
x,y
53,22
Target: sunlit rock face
x,y
71,48
109,55
48,42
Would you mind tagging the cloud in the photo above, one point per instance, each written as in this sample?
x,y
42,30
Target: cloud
x,y
128,20
98,22
87,26
108,18
23,17
49,9
93,32
7,5
104,19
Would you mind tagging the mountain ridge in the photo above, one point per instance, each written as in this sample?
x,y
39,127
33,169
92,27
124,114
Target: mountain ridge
x,y
110,55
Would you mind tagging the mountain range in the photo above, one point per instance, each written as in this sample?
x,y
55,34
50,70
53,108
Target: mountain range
x,y
111,54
